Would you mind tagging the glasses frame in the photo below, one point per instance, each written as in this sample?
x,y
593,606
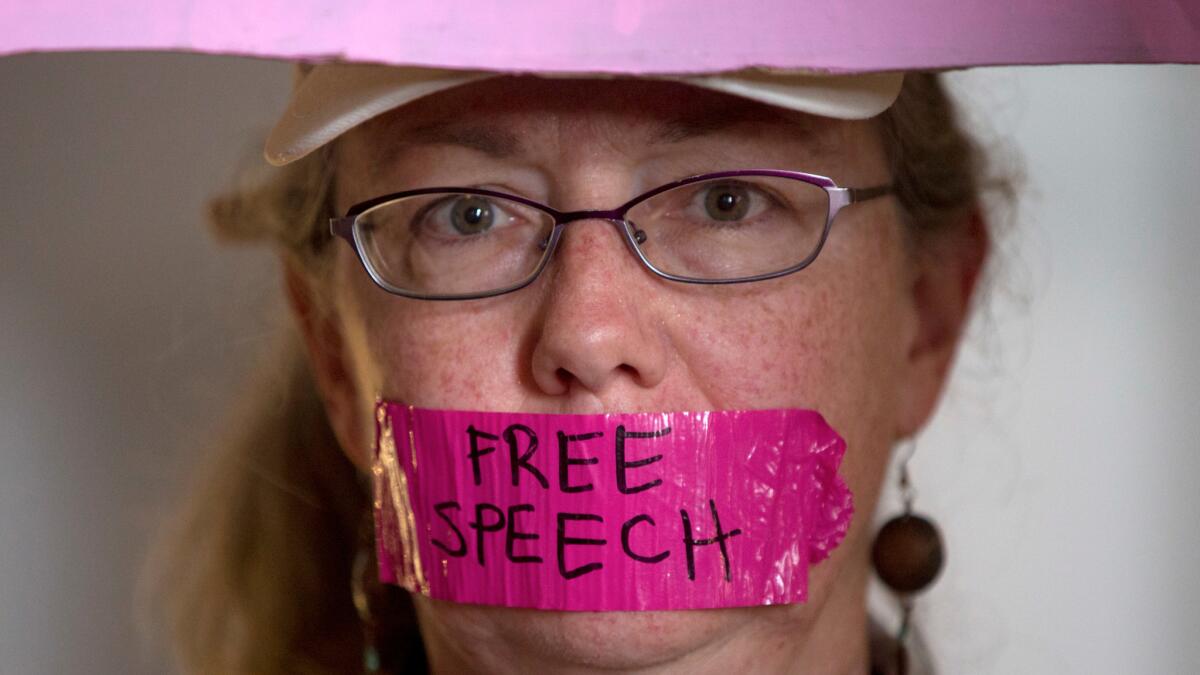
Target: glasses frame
x,y
839,198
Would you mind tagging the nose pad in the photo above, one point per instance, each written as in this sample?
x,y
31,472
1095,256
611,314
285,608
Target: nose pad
x,y
631,234
551,238
634,238
637,234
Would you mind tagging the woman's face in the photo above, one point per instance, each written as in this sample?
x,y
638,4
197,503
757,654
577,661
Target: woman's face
x,y
851,336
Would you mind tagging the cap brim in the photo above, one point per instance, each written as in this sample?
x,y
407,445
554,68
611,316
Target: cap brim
x,y
333,98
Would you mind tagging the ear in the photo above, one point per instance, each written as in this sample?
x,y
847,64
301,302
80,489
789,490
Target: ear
x,y
944,284
328,362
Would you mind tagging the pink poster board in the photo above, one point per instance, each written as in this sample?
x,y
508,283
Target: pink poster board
x,y
628,36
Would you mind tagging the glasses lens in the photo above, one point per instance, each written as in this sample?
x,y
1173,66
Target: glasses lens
x,y
453,243
731,228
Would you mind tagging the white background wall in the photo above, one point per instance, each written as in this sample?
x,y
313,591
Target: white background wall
x,y
1064,462
1063,466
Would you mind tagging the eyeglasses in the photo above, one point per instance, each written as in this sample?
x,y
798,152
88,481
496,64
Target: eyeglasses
x,y
719,228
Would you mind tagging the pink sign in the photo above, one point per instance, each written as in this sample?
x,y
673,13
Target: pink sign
x,y
625,36
630,511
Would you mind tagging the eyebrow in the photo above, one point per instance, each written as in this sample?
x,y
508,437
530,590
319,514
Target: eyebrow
x,y
501,144
710,122
488,140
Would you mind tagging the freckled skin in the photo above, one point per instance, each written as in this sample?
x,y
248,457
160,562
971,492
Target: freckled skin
x,y
598,332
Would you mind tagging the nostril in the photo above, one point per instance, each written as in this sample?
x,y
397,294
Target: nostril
x,y
567,379
564,376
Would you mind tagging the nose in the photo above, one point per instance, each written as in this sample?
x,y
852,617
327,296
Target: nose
x,y
598,325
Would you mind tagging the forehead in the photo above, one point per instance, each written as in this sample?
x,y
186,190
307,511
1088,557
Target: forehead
x,y
518,117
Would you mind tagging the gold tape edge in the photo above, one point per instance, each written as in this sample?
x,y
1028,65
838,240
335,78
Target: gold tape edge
x,y
413,577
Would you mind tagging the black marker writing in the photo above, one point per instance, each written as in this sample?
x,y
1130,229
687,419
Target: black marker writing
x,y
481,527
460,550
566,461
626,528
622,465
564,541
512,535
690,544
476,452
518,460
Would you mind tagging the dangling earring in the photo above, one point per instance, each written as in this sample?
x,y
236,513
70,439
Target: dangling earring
x,y
362,604
907,556
391,639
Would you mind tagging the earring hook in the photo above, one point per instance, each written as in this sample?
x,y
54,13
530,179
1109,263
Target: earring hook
x,y
908,494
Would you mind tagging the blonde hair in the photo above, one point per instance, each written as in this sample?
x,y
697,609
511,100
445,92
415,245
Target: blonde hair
x,y
255,574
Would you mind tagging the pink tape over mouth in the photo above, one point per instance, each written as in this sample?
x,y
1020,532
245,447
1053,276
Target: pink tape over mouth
x,y
610,512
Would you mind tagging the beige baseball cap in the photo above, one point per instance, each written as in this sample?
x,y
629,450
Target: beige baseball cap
x,y
329,99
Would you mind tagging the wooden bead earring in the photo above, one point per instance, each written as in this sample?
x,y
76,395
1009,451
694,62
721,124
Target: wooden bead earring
x,y
907,555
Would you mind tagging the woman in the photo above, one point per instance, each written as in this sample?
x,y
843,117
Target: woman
x,y
865,333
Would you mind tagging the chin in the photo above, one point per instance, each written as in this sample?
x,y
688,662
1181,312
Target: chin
x,y
601,640
530,640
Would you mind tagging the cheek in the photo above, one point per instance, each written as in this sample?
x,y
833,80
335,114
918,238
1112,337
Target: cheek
x,y
422,361
832,338
763,351
437,355
831,346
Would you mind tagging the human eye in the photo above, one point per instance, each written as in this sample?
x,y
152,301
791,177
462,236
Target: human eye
x,y
462,216
727,203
